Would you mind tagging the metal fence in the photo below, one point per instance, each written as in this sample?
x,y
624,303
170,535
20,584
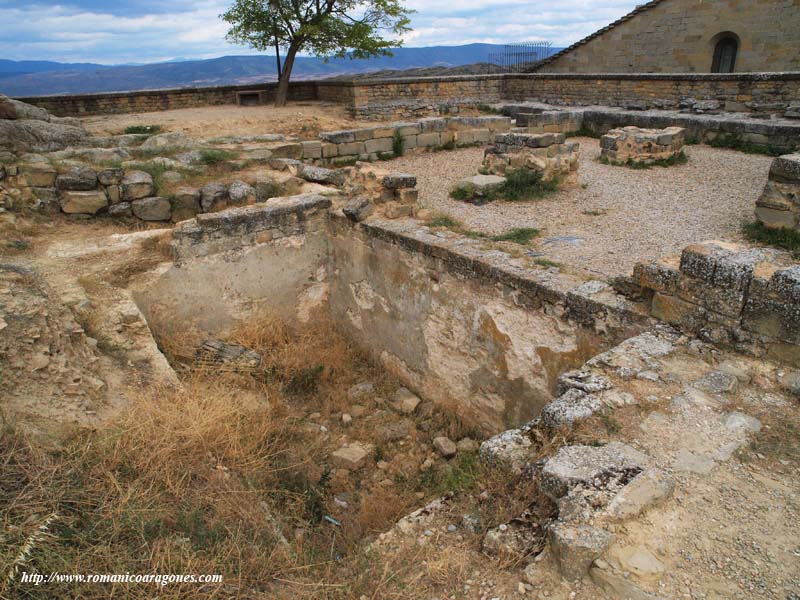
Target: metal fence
x,y
519,58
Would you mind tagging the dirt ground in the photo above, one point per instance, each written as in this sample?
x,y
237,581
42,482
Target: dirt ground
x,y
302,119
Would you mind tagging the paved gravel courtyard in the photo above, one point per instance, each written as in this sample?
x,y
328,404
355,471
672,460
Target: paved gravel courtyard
x,y
617,216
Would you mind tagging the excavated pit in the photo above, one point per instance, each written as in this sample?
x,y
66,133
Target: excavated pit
x,y
464,327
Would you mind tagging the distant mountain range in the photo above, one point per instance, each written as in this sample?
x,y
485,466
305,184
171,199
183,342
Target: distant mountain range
x,y
39,78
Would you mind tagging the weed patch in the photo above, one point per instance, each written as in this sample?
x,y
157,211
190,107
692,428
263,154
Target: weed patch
x,y
784,238
398,144
732,141
143,129
518,235
215,156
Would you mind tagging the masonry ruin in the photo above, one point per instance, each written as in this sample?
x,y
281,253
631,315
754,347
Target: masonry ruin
x,y
521,348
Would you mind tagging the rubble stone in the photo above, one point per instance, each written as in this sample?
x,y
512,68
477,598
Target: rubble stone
x,y
575,547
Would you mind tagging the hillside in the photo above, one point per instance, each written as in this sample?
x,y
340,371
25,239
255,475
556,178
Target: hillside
x,y
35,78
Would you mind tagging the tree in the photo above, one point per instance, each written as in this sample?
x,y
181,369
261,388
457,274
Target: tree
x,y
328,28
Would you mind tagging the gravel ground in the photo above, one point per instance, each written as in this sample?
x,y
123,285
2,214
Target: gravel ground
x,y
617,216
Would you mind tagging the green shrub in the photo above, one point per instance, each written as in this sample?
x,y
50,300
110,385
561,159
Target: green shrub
x,y
518,235
524,184
443,220
143,129
215,156
546,262
398,144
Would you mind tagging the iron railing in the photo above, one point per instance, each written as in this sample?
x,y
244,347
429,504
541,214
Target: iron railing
x,y
519,58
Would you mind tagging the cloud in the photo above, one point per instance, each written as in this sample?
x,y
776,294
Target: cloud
x,y
155,30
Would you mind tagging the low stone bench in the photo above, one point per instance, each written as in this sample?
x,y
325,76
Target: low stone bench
x,y
641,145
779,203
546,153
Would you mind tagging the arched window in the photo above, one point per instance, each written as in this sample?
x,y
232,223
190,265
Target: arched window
x,y
725,53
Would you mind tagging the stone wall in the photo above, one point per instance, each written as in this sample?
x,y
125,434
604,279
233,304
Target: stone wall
x,y
779,204
80,105
411,98
374,143
729,295
235,263
679,36
464,326
750,92
778,133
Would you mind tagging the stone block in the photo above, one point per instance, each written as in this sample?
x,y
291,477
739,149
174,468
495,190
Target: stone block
x,y
121,209
86,202
480,186
407,196
428,140
407,129
111,176
786,168
312,149
77,178
212,196
395,210
397,181
338,137
37,175
351,457
358,209
363,135
700,260
661,276
378,145
136,185
114,193
292,150
185,204
330,150
675,311
352,149
152,209
581,465
576,547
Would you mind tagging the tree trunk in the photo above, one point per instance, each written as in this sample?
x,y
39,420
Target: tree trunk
x,y
283,82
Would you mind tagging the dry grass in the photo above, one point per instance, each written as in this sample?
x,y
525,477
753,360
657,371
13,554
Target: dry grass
x,y
221,476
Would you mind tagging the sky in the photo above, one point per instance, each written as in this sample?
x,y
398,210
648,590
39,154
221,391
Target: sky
x,y
144,31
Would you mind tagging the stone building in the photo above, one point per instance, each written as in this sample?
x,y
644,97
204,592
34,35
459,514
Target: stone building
x,y
691,36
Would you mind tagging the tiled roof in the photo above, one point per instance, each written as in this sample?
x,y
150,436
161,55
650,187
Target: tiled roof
x,y
639,9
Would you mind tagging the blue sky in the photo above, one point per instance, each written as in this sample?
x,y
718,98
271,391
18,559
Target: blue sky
x,y
152,30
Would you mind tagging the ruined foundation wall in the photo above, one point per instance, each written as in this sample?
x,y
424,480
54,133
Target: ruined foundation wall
x,y
466,327
231,264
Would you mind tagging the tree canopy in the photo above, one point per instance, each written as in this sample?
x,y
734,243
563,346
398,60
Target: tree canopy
x,y
327,28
